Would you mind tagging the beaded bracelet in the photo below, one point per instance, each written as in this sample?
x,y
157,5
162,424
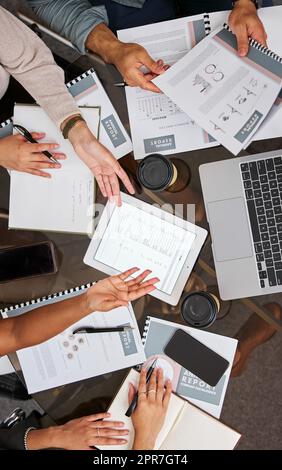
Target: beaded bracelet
x,y
31,428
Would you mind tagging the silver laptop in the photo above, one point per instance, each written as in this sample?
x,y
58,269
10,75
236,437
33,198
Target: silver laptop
x,y
244,209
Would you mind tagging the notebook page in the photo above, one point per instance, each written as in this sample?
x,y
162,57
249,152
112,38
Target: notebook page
x,y
120,405
63,203
196,430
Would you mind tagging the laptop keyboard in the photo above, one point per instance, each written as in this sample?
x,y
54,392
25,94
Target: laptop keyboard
x,y
262,180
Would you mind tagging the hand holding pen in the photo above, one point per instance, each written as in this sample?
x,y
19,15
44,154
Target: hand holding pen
x,y
24,153
149,415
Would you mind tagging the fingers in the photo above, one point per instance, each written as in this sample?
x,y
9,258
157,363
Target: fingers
x,y
40,157
137,280
259,34
106,441
127,273
101,184
131,393
167,394
108,187
108,424
241,34
141,81
39,148
151,392
124,178
97,416
160,386
142,387
42,165
148,283
43,174
115,189
140,292
108,432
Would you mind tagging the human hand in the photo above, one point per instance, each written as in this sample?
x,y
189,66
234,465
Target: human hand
x,y
129,58
244,23
100,161
115,291
79,434
149,414
18,154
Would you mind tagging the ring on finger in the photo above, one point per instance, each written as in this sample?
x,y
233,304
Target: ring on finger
x,y
98,432
151,390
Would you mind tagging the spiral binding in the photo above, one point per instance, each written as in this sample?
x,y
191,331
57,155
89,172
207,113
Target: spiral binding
x,y
46,298
256,45
145,331
207,23
80,77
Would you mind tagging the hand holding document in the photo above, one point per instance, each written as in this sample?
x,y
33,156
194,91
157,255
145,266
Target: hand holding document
x,y
157,124
227,95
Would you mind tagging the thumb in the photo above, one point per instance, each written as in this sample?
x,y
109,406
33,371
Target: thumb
x,y
131,393
242,41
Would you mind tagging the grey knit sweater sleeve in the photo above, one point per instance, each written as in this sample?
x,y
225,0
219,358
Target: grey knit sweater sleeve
x,y
31,63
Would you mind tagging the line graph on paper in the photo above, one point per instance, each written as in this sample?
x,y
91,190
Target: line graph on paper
x,y
134,237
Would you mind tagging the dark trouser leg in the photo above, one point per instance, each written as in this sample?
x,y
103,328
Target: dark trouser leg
x,y
195,7
11,387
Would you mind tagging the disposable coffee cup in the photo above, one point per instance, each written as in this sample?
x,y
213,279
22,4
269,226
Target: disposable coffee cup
x,y
200,309
156,172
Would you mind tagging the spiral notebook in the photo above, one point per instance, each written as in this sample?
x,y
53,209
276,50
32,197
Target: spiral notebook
x,y
157,124
66,357
186,427
156,335
227,95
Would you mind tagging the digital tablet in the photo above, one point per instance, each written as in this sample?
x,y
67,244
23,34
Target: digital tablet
x,y
143,235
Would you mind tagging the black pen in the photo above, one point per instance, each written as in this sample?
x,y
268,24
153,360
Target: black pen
x,y
91,329
27,135
133,404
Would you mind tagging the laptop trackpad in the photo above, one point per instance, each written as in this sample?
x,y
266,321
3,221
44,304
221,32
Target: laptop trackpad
x,y
231,236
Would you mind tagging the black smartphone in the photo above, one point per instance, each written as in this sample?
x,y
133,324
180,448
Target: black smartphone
x,y
27,261
196,357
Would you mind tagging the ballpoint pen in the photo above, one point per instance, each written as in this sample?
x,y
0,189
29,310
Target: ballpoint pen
x,y
91,329
27,135
121,84
133,404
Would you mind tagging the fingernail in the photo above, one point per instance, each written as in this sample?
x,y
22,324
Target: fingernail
x,y
55,146
120,424
57,165
108,414
124,441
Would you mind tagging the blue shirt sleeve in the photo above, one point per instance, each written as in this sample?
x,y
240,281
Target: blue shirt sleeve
x,y
72,19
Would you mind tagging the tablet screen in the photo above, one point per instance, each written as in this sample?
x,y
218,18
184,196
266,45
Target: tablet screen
x,y
134,237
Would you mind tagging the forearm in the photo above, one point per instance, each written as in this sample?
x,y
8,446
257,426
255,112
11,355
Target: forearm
x,y
73,19
48,438
103,42
31,63
41,324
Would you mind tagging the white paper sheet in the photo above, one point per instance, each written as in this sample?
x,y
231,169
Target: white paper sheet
x,y
87,90
63,203
68,358
227,95
156,123
272,20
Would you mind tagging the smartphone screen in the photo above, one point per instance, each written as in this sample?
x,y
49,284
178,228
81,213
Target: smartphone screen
x,y
25,261
196,357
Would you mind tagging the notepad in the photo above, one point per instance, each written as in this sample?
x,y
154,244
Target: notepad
x,y
65,202
68,358
186,427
